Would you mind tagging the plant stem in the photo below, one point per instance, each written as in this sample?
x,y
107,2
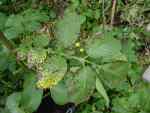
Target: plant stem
x,y
113,11
6,42
103,15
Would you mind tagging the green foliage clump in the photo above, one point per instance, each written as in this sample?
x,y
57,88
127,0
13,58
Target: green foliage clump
x,y
91,53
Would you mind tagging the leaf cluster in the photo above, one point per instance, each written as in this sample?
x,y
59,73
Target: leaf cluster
x,y
78,56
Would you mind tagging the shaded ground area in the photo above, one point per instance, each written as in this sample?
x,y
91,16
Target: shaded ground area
x,y
48,106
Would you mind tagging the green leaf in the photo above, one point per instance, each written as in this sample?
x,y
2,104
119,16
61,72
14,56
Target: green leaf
x,y
3,19
136,101
77,87
32,15
105,48
115,74
26,101
28,21
31,96
100,88
121,105
7,61
14,26
32,26
83,87
41,40
33,18
127,49
68,28
12,103
59,93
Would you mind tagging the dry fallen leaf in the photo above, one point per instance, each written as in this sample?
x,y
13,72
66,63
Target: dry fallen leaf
x,y
146,74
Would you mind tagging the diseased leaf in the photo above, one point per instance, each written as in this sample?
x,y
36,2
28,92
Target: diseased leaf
x,y
36,56
79,50
68,28
77,87
83,87
52,71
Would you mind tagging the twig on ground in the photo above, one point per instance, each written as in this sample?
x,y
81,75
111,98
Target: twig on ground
x,y
114,2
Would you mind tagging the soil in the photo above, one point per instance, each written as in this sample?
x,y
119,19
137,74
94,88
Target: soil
x,y
48,106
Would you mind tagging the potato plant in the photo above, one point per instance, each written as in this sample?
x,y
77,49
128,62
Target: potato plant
x,y
91,53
